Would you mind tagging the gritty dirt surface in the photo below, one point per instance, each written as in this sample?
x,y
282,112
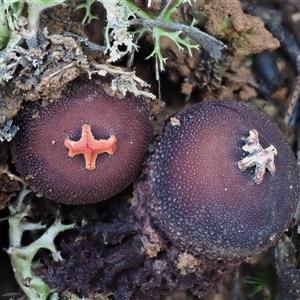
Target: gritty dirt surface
x,y
185,81
245,34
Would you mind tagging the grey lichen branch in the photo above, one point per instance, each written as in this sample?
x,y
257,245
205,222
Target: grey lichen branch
x,y
164,26
259,157
22,256
19,23
8,131
116,31
208,42
85,42
124,81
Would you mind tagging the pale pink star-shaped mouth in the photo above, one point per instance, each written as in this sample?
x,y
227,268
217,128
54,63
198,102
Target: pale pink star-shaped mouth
x,y
259,157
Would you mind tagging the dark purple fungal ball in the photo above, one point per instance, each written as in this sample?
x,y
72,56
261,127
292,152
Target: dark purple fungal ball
x,y
40,150
203,201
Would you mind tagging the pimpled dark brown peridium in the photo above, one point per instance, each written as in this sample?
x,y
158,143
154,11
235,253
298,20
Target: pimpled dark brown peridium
x,y
84,148
224,182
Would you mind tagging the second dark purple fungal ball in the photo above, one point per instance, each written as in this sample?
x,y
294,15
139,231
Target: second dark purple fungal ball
x,y
202,201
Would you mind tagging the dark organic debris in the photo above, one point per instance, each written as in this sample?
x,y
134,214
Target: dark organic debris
x,y
107,255
287,271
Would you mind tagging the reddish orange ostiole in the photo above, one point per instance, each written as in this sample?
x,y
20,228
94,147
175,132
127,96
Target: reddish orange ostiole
x,y
90,147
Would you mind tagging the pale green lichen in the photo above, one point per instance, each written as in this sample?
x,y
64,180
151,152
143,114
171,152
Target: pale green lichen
x,y
22,256
15,29
87,5
14,26
158,32
19,24
123,13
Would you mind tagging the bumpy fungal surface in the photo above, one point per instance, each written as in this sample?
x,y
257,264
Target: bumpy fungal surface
x,y
84,148
203,200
